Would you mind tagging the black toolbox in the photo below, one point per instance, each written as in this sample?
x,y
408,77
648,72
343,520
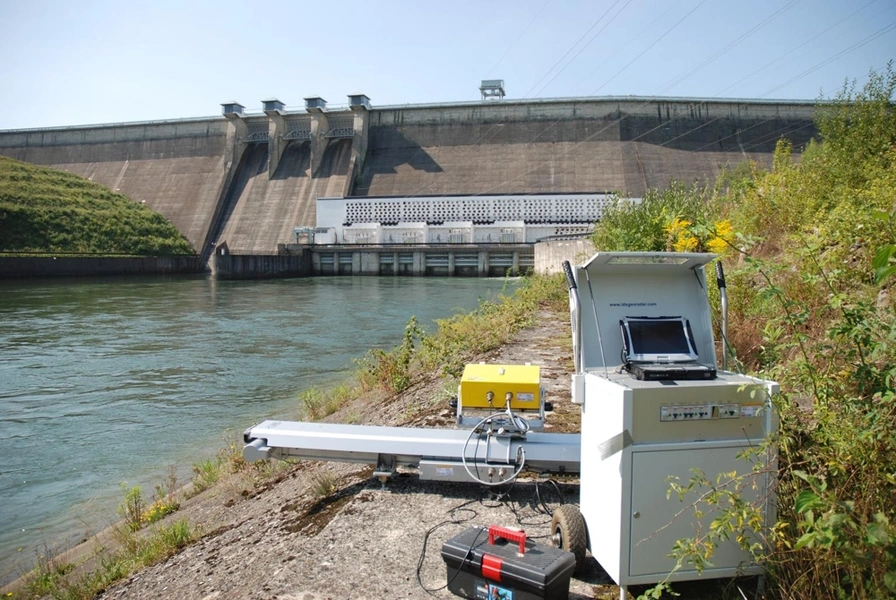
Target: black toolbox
x,y
501,564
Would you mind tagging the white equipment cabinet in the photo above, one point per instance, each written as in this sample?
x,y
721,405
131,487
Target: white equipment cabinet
x,y
636,434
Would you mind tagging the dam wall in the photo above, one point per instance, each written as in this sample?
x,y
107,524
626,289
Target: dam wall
x,y
175,168
622,145
248,180
262,208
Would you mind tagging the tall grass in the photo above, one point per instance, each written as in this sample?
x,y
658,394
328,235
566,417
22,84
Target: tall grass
x,y
461,337
57,579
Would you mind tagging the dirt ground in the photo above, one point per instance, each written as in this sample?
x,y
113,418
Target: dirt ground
x,y
282,539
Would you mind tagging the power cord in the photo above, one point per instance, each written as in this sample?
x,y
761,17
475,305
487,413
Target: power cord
x,y
540,503
452,521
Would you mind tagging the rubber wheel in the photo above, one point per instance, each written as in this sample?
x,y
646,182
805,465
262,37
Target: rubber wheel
x,y
568,532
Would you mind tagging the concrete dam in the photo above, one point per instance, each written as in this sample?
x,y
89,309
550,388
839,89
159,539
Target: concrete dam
x,y
249,178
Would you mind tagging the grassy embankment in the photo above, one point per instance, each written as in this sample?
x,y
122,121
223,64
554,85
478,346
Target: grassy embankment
x,y
809,254
44,210
145,536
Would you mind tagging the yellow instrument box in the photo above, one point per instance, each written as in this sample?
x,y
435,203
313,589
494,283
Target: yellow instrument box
x,y
480,383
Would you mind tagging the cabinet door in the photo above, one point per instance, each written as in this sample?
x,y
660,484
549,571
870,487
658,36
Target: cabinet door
x,y
657,522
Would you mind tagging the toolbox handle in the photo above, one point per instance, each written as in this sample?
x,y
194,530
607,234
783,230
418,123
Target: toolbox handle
x,y
511,535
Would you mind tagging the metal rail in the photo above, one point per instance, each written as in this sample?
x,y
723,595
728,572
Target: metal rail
x,y
440,454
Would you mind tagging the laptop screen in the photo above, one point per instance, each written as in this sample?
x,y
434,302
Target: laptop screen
x,y
660,339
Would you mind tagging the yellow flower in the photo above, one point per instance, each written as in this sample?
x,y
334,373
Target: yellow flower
x,y
723,239
677,225
686,242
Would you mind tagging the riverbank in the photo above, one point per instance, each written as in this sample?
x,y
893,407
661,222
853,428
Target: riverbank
x,y
316,531
280,537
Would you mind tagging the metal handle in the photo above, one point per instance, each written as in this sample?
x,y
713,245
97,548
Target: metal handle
x,y
567,270
723,295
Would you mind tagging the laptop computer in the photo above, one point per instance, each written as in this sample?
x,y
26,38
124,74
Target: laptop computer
x,y
661,348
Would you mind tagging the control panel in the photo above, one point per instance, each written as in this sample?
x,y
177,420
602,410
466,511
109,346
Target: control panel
x,y
730,407
700,412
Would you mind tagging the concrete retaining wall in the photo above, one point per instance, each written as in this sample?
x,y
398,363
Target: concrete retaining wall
x,y
175,168
590,108
262,209
244,266
63,266
550,255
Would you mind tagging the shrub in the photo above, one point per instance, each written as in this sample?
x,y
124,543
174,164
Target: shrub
x,y
812,307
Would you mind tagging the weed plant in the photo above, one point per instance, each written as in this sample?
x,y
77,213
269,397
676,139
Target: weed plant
x,y
53,578
207,472
323,483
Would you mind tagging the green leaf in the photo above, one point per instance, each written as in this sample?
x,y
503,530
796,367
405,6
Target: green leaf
x,y
837,519
876,534
806,540
806,500
882,258
883,273
890,581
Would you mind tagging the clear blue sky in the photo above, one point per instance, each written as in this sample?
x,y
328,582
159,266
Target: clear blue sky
x,y
91,61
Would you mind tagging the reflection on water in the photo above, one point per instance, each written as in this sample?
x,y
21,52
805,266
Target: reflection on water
x,y
108,381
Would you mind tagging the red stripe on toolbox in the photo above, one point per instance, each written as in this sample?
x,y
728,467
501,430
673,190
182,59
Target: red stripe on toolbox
x,y
491,567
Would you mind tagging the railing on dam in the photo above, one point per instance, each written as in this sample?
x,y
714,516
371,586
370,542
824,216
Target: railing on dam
x,y
583,99
113,125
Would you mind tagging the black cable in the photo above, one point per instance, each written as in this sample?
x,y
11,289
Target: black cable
x,y
616,121
451,521
541,502
693,70
855,46
724,50
519,37
655,42
523,520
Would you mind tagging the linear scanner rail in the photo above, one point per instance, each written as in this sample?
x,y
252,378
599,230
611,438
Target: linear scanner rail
x,y
441,450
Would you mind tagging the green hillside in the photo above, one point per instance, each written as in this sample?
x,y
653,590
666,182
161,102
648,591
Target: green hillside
x,y
45,210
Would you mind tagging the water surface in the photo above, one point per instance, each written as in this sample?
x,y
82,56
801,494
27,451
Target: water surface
x,y
106,382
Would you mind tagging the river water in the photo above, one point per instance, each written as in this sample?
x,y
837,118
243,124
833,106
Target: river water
x,y
108,382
